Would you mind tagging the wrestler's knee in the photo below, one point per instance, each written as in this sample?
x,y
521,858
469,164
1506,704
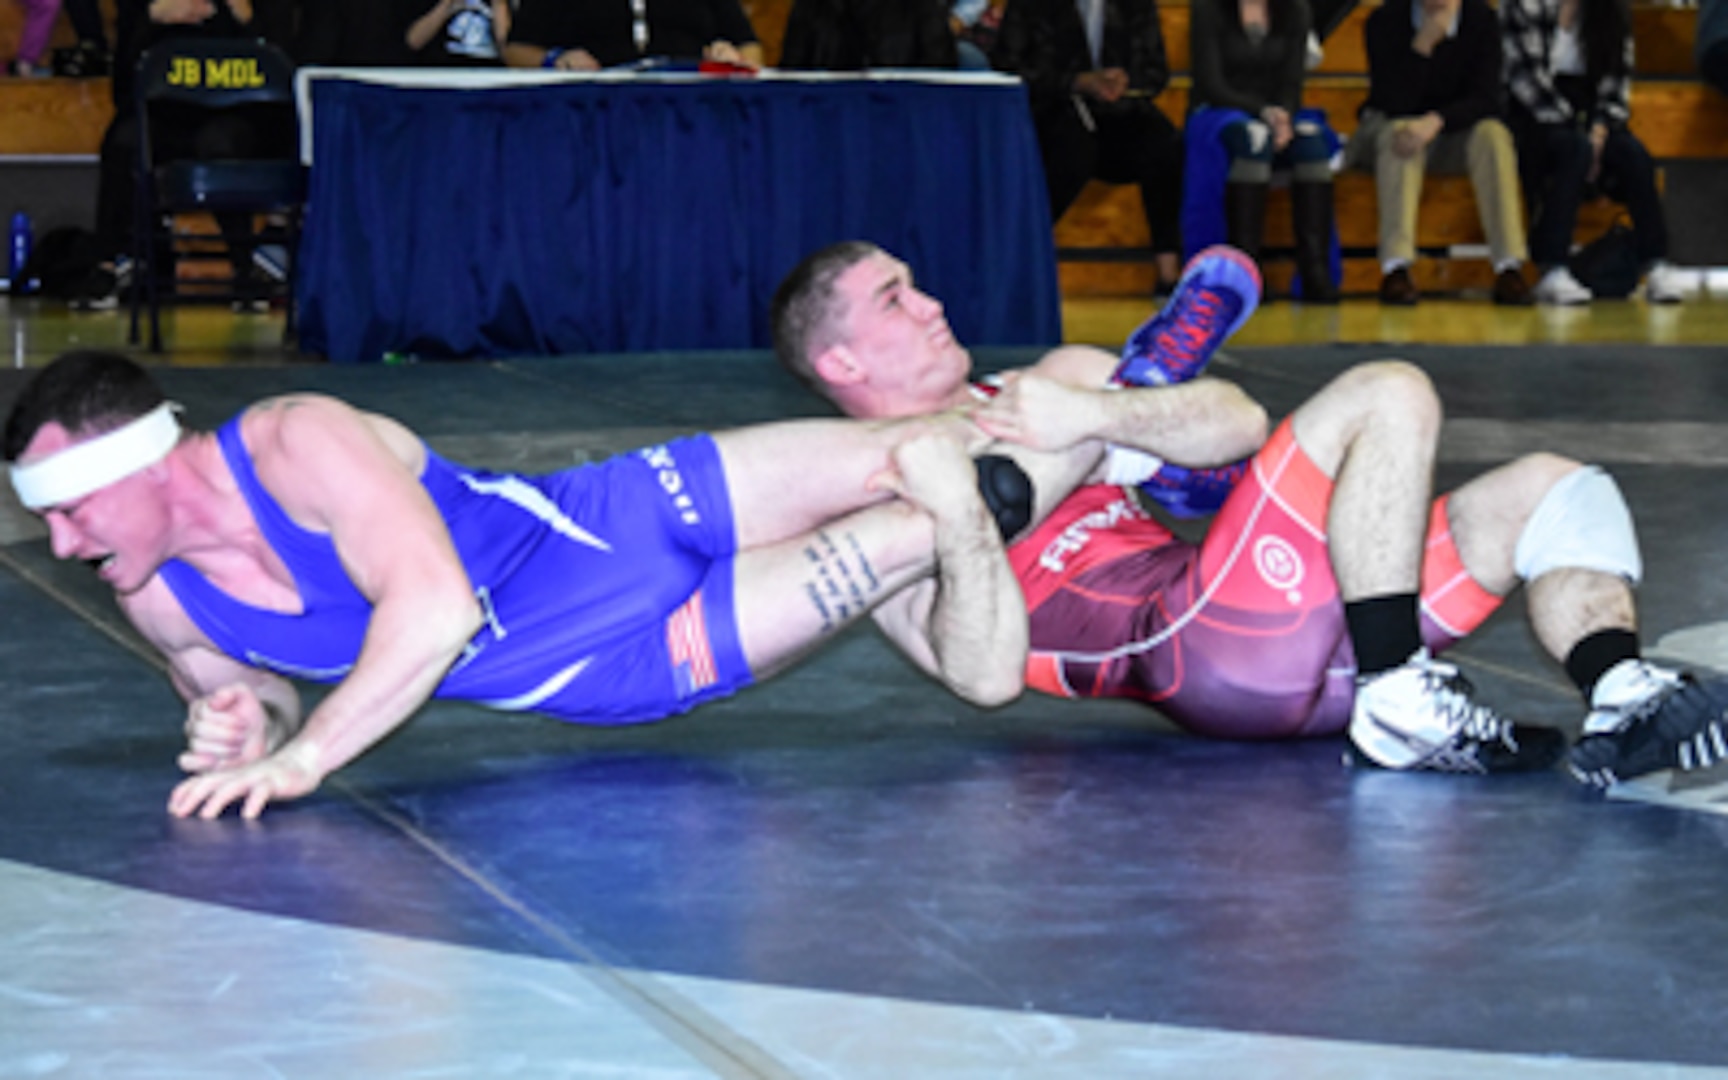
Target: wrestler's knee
x,y
1543,469
1383,392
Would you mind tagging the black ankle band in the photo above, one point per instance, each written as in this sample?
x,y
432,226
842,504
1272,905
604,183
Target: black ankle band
x,y
1591,658
1385,631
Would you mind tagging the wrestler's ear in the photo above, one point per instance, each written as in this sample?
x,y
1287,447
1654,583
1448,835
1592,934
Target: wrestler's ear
x,y
838,365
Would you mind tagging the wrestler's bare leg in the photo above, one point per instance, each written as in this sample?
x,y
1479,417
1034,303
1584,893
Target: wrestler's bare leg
x,y
934,557
1489,514
786,479
1375,430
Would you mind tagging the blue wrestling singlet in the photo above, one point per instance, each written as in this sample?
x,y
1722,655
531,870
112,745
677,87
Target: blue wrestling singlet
x,y
607,589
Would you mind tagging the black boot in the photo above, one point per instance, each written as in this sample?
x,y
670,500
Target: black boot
x,y
1311,216
1245,216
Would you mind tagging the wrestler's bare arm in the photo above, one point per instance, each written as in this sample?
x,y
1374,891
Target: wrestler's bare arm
x,y
1062,400
336,470
966,625
235,713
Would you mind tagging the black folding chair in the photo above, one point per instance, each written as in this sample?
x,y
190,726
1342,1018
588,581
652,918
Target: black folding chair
x,y
214,75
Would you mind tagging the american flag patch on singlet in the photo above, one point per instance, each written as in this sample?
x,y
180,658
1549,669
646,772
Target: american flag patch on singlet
x,y
687,645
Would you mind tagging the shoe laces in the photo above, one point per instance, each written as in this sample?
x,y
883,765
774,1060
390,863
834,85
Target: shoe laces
x,y
1468,719
1199,315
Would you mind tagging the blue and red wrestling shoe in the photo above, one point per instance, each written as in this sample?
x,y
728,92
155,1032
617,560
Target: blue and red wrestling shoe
x,y
1218,290
1192,493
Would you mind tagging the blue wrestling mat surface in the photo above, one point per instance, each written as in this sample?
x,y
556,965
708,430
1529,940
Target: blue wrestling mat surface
x,y
1112,897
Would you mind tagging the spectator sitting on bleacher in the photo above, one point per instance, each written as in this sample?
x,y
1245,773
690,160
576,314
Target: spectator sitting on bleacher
x,y
1434,106
1710,43
458,33
856,35
1092,84
1250,58
1569,73
182,131
595,34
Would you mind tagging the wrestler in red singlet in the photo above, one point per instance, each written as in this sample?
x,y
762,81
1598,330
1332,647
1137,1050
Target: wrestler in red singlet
x,y
1241,636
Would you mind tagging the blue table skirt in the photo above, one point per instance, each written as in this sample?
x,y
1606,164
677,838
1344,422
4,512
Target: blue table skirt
x,y
618,216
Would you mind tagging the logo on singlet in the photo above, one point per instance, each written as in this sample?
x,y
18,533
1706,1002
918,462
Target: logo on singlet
x,y
1280,565
987,387
665,467
1075,537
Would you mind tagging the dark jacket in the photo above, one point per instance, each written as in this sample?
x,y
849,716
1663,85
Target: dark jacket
x,y
1234,71
1460,80
677,29
1044,43
855,35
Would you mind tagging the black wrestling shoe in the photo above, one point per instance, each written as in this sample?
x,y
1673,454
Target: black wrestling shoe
x,y
1646,719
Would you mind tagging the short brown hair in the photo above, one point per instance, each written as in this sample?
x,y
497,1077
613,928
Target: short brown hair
x,y
82,391
803,312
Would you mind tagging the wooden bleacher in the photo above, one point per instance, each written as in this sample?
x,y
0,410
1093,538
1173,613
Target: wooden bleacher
x,y
1103,236
50,116
1674,114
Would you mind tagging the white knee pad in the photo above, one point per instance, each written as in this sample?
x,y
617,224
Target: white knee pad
x,y
1581,524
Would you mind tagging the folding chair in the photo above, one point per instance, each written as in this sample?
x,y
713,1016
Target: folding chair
x,y
212,74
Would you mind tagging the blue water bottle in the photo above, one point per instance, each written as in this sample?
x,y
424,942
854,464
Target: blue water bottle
x,y
19,254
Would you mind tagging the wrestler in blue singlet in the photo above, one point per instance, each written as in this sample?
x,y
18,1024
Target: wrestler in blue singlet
x,y
607,589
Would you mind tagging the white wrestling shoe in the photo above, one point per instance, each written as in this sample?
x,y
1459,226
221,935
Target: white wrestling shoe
x,y
1423,715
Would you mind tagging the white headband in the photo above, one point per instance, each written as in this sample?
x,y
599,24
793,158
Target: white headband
x,y
78,470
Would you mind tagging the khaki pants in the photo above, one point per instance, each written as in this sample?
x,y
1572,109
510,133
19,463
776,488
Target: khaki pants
x,y
1485,153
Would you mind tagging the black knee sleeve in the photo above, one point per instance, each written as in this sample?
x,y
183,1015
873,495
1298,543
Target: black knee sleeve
x,y
1007,492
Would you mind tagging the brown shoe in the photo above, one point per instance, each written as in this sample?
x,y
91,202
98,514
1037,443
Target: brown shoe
x,y
1396,288
1510,288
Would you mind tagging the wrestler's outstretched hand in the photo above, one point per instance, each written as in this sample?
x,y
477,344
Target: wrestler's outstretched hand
x,y
225,729
277,778
1040,413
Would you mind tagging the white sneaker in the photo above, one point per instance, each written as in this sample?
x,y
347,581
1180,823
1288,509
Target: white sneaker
x,y
1558,286
1662,284
1423,715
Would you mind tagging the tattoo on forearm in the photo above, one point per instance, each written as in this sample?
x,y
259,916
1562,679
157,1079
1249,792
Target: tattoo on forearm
x,y
842,581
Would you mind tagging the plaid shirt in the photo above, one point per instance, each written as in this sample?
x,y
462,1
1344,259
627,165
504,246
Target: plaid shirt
x,y
1527,30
